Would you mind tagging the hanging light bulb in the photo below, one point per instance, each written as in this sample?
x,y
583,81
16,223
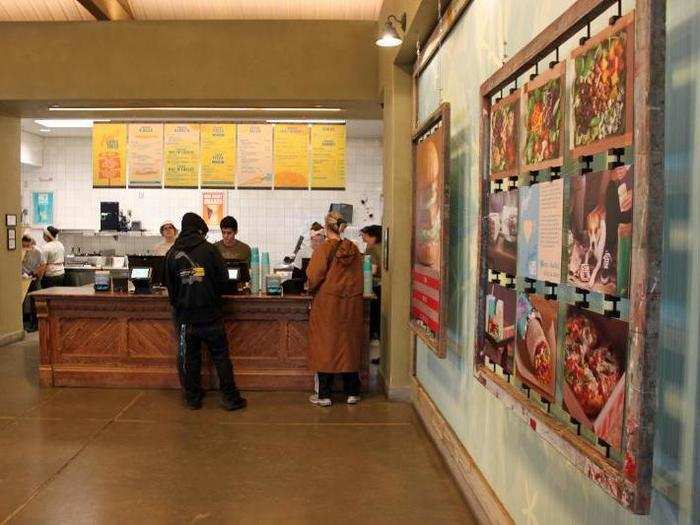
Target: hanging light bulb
x,y
390,37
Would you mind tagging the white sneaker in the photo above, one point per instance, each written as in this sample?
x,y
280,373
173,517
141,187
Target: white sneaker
x,y
353,400
322,402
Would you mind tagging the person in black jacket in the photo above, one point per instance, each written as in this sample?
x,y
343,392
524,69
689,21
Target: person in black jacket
x,y
195,275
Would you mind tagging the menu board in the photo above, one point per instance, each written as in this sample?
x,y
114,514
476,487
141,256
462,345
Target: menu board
x,y
255,160
291,156
213,208
328,156
218,143
145,156
109,155
181,155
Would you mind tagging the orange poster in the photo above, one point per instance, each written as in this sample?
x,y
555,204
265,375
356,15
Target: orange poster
x,y
109,155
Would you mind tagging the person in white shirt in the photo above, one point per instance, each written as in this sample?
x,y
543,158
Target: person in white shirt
x,y
169,233
54,252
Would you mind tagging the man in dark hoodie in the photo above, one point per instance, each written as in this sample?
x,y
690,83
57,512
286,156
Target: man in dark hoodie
x,y
195,275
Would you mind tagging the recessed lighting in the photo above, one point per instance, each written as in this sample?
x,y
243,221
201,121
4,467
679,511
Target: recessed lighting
x,y
68,123
219,109
45,130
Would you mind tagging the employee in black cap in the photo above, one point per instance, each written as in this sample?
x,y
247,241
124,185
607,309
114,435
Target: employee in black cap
x,y
195,275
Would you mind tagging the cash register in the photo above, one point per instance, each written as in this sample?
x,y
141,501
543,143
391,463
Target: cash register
x,y
141,279
238,275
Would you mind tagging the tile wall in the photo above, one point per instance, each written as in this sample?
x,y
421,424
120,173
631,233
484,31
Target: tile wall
x,y
269,219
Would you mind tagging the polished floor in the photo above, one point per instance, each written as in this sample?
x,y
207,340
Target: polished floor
x,y
98,456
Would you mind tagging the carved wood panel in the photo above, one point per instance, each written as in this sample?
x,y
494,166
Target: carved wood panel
x,y
91,337
151,339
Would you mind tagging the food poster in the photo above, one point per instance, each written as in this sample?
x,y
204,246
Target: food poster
x,y
502,247
536,343
603,90
213,208
540,225
595,360
600,231
181,155
145,155
427,235
108,155
544,122
42,208
328,156
499,339
218,154
291,151
505,128
255,159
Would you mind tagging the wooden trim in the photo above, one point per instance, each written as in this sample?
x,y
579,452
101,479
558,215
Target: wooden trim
x,y
11,337
441,114
567,25
444,27
475,489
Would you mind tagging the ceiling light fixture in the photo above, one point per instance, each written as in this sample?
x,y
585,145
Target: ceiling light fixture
x,y
68,123
220,109
390,36
45,130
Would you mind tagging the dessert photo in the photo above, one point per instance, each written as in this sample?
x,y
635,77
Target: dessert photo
x,y
502,249
499,340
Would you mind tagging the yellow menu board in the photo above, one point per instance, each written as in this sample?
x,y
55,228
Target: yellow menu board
x,y
181,155
145,155
328,156
291,156
108,155
218,144
255,162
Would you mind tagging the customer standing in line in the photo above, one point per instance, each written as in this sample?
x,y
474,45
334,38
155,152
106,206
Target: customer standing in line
x,y
372,235
54,271
336,320
195,275
32,265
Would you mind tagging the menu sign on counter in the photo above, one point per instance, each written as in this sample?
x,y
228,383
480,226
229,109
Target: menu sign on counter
x,y
255,161
109,155
145,155
218,143
181,155
328,157
292,156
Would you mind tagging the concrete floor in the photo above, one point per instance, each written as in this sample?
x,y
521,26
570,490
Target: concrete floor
x,y
136,456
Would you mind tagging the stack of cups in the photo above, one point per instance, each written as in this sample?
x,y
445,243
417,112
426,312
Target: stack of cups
x,y
264,269
254,271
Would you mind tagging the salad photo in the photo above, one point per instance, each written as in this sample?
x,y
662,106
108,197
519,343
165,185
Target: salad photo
x,y
602,90
543,122
504,137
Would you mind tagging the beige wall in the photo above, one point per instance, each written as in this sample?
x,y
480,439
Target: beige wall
x,y
10,312
396,88
210,60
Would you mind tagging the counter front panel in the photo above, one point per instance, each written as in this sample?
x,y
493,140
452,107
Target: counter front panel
x,y
96,339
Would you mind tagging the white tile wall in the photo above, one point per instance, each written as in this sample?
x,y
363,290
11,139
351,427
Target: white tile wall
x,y
269,219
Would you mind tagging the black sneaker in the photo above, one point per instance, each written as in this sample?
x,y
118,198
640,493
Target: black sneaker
x,y
193,404
234,403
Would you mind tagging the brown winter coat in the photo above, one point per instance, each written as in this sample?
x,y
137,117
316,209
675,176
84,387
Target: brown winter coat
x,y
336,322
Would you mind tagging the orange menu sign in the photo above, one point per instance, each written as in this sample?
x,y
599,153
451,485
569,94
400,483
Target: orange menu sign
x,y
109,155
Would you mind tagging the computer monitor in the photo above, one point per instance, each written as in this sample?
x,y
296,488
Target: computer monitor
x,y
234,274
237,270
142,273
154,262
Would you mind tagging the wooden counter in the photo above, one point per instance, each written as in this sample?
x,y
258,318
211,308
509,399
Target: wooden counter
x,y
111,339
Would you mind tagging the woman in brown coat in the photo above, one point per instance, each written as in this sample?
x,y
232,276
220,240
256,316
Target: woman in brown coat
x,y
336,321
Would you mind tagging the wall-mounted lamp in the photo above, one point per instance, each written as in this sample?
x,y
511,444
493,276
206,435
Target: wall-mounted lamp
x,y
390,36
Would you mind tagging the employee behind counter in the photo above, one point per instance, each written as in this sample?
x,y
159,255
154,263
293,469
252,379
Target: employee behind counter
x,y
230,247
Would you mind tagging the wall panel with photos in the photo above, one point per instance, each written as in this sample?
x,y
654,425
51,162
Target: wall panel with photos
x,y
570,254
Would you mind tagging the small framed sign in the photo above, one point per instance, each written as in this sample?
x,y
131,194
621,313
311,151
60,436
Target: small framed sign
x,y
11,239
10,219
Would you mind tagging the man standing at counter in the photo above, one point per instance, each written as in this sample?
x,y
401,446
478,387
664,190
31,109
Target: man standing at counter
x,y
195,275
229,246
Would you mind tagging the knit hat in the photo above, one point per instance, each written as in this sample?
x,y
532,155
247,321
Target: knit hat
x,y
192,221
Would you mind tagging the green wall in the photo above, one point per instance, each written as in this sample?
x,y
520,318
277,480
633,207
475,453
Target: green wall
x,y
535,483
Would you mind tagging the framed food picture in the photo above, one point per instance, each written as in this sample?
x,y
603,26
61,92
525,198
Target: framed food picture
x,y
536,343
595,360
499,335
602,96
544,120
504,132
600,231
502,220
429,277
